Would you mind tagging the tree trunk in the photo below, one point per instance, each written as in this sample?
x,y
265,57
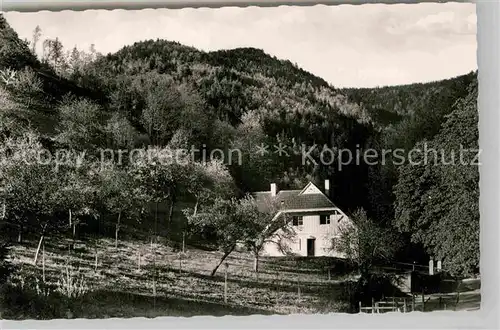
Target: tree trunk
x,y
156,221
196,206
222,260
70,219
43,262
171,210
39,245
97,243
117,229
183,242
96,260
458,293
186,226
256,265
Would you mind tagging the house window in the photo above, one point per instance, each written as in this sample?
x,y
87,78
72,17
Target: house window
x,y
297,220
324,219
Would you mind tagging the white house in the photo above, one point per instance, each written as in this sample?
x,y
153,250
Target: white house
x,y
312,221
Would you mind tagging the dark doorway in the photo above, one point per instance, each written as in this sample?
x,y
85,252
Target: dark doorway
x,y
310,247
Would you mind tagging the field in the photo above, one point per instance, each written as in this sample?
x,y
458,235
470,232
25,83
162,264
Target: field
x,y
121,287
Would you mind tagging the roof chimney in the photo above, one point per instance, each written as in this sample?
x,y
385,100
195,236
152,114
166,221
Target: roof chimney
x,y
327,188
273,189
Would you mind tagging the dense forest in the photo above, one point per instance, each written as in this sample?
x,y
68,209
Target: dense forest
x,y
159,94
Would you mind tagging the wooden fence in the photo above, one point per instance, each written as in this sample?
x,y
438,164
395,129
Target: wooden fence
x,y
392,304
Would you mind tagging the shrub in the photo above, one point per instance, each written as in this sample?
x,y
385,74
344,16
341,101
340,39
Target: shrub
x,y
27,297
72,284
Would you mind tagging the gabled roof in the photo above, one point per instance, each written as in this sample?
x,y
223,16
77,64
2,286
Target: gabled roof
x,y
309,198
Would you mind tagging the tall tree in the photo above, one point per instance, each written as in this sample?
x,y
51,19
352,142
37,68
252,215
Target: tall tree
x,y
81,125
37,33
364,242
53,54
163,109
437,195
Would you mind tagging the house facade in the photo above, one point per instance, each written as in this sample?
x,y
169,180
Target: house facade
x,y
310,221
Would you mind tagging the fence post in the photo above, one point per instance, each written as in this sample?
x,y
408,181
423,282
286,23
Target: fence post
x,y
95,260
412,302
180,263
423,301
404,305
43,262
225,282
360,306
373,305
183,241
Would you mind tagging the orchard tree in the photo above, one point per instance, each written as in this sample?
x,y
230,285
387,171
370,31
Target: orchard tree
x,y
34,194
265,224
79,194
206,182
224,220
237,221
160,174
120,195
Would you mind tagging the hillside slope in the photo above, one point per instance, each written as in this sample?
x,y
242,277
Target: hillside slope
x,y
411,112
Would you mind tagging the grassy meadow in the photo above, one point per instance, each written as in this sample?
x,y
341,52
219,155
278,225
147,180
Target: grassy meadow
x,y
122,284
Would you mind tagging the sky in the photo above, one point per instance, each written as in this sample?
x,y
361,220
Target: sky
x,y
347,45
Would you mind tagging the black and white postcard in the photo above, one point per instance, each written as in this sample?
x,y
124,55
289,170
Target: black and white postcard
x,y
239,161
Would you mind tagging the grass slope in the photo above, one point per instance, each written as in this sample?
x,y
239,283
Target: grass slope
x,y
120,288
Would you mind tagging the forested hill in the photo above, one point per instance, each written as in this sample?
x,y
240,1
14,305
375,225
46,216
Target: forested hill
x,y
402,99
157,94
233,82
163,93
411,112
